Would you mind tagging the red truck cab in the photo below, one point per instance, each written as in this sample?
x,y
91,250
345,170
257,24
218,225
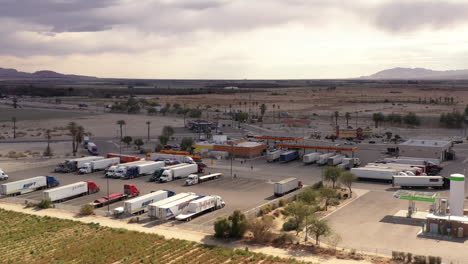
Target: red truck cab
x,y
131,190
92,187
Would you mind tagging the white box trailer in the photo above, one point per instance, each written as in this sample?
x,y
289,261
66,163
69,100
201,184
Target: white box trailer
x,y
420,181
163,156
143,169
285,186
70,191
172,209
374,173
273,155
199,206
70,165
152,208
138,205
122,168
412,161
396,166
311,157
28,185
323,159
178,172
97,165
335,160
348,163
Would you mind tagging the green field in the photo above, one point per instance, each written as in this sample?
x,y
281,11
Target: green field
x,y
32,239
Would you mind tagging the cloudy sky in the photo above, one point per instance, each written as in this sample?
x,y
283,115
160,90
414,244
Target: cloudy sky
x,y
237,39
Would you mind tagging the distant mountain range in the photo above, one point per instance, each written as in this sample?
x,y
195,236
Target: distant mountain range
x,y
12,74
418,73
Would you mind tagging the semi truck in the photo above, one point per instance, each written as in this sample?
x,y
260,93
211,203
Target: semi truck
x,y
200,206
273,155
152,208
348,163
169,210
436,182
311,157
335,160
71,191
164,156
143,169
123,158
286,186
399,167
96,165
92,149
71,165
118,170
428,167
140,204
374,173
157,173
323,159
193,179
3,175
178,172
130,191
289,156
28,185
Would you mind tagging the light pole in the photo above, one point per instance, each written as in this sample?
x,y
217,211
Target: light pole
x,y
108,204
232,155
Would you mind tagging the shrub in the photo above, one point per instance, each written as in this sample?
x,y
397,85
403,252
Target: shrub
x,y
265,209
290,225
334,202
86,209
45,203
222,227
261,228
317,185
284,239
281,202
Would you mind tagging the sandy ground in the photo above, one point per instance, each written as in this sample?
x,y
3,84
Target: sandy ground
x,y
173,233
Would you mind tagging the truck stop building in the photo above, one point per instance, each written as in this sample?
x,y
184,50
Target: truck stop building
x,y
435,149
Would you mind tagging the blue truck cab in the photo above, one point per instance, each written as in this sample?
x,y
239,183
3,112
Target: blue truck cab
x,y
52,182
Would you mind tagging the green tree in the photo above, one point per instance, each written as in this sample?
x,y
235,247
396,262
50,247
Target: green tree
x,y
318,228
186,144
138,142
132,106
298,211
347,179
163,140
327,194
394,118
336,115
411,119
377,118
347,117
168,131
308,196
332,174
127,140
241,117
238,224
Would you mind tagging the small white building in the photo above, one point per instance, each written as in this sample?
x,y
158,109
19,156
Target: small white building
x,y
435,149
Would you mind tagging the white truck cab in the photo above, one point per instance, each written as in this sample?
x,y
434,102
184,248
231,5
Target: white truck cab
x,y
86,168
192,179
3,176
121,172
111,171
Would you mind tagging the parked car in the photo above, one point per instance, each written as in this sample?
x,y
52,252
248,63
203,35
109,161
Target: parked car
x,y
372,142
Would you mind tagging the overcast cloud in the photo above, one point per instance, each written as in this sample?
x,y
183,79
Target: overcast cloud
x,y
266,36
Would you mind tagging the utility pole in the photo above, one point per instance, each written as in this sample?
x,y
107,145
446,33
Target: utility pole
x,y
232,155
148,123
108,204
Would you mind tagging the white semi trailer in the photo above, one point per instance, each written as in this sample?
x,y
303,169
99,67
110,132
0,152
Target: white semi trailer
x,y
28,185
436,182
195,179
374,173
286,186
96,165
335,160
122,168
152,208
311,157
200,206
143,169
172,209
323,159
70,191
178,172
140,204
273,155
164,156
70,165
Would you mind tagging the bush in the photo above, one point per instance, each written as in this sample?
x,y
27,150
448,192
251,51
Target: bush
x,y
334,202
86,209
222,227
281,203
45,203
284,239
317,185
290,225
265,210
261,229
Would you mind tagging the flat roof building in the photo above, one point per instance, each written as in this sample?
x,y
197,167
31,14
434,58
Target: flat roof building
x,y
422,148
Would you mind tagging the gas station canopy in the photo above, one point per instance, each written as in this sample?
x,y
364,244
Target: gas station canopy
x,y
416,196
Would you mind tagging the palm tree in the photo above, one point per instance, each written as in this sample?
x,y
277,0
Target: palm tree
x,y
347,116
263,109
13,119
73,129
336,115
377,118
121,123
148,123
